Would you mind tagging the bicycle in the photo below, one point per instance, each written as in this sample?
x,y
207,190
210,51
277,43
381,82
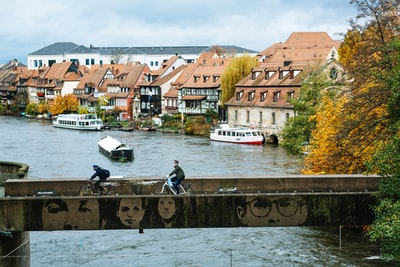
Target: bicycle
x,y
166,187
90,190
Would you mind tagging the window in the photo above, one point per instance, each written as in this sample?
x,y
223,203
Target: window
x,y
236,115
280,74
290,95
87,62
250,96
287,116
196,78
205,78
254,74
261,117
266,74
263,96
92,62
239,95
276,96
248,116
273,118
215,78
333,73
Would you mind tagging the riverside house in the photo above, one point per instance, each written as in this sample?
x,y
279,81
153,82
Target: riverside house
x,y
262,98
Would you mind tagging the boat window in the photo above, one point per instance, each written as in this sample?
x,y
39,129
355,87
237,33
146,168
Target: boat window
x,y
248,134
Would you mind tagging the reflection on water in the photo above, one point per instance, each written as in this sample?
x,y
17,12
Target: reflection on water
x,y
55,153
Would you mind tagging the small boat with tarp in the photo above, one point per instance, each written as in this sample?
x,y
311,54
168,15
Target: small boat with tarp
x,y
114,149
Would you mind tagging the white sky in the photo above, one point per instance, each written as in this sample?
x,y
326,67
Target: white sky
x,y
29,25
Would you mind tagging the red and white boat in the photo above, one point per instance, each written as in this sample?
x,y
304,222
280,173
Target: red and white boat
x,y
238,135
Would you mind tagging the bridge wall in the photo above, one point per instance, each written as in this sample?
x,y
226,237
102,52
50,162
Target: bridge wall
x,y
14,246
190,211
201,185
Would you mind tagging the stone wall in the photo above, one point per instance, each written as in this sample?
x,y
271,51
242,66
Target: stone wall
x,y
14,246
12,170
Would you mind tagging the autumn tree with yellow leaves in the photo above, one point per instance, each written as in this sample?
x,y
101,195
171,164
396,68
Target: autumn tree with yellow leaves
x,y
64,104
363,125
360,131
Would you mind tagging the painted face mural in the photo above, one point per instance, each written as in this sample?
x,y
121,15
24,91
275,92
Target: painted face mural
x,y
67,214
130,212
166,207
273,211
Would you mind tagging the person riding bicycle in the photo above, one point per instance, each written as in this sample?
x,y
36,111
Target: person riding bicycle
x,y
178,177
102,177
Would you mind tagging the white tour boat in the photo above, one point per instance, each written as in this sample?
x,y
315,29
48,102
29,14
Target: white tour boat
x,y
238,135
88,122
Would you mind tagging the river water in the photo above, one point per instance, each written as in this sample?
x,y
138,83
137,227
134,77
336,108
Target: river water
x,y
59,153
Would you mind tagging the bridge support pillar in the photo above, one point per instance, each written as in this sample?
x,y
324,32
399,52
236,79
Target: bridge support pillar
x,y
14,249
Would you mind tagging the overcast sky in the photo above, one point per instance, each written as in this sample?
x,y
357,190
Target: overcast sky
x,y
29,25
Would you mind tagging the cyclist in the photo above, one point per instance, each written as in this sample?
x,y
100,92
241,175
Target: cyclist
x,y
102,177
178,177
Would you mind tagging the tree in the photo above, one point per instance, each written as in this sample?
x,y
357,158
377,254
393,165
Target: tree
x,y
297,130
32,109
385,229
363,123
117,55
365,130
68,103
237,69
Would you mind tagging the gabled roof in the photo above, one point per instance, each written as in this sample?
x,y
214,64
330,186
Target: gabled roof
x,y
205,77
213,59
130,74
269,75
93,78
81,50
181,80
165,66
58,48
62,71
256,101
168,77
299,43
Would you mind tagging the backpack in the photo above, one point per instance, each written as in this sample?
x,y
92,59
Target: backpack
x,y
106,173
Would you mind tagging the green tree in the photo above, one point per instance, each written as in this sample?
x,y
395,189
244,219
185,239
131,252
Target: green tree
x,y
32,109
385,229
237,69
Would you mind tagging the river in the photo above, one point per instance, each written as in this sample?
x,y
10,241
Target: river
x,y
59,153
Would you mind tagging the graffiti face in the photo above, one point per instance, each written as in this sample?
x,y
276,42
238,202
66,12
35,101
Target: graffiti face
x,y
130,212
272,211
166,207
67,214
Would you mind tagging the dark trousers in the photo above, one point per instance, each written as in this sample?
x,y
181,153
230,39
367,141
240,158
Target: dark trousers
x,y
98,185
176,182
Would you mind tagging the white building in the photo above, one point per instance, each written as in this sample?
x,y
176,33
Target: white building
x,y
154,57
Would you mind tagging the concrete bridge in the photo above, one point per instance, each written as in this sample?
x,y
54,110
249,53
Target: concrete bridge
x,y
54,204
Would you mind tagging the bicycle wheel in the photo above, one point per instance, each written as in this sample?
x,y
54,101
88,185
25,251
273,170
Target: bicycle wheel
x,y
161,189
86,190
188,189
